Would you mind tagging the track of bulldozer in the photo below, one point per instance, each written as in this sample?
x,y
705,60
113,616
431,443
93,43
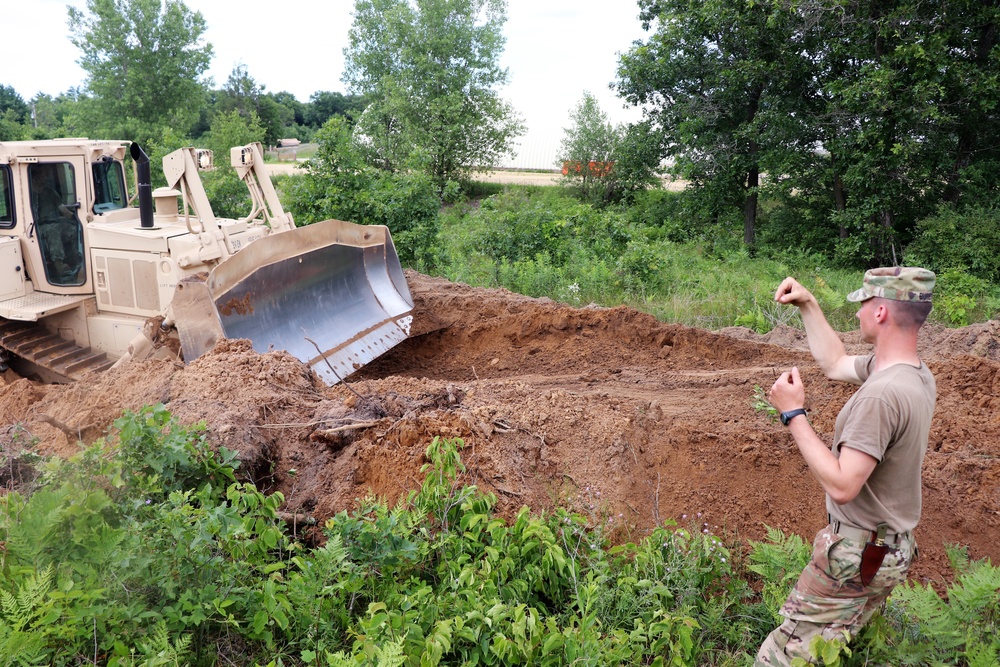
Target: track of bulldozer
x,y
48,355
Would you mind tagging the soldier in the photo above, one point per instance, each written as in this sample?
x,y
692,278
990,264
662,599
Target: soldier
x,y
872,474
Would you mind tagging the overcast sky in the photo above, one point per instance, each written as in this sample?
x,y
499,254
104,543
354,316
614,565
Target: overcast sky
x,y
556,49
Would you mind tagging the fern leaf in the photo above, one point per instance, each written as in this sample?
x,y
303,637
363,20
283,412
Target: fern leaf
x,y
958,557
160,651
22,606
21,648
390,655
976,593
981,655
934,617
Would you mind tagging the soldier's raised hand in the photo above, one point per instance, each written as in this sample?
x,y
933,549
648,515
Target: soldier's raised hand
x,y
791,292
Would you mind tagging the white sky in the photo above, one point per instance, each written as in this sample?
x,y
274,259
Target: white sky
x,y
556,49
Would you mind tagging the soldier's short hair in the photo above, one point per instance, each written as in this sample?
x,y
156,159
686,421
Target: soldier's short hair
x,y
909,314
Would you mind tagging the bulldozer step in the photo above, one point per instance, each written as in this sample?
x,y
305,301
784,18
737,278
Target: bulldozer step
x,y
55,359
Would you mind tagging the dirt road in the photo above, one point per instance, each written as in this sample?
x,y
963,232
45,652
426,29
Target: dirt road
x,y
500,176
605,410
518,177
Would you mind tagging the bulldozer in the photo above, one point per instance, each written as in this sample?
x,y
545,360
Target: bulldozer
x,y
95,273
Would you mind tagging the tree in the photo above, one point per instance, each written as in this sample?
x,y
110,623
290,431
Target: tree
x,y
866,114
340,183
10,128
722,81
11,101
291,106
13,113
909,117
324,104
431,69
606,162
225,190
144,61
243,95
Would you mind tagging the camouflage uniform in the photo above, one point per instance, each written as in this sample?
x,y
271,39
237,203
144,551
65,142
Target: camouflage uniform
x,y
829,598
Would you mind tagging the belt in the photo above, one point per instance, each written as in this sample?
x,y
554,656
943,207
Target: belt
x,y
863,535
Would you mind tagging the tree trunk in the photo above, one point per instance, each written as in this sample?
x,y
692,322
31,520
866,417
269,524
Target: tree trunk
x,y
839,197
750,207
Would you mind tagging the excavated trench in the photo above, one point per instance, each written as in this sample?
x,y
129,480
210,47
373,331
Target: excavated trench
x,y
605,410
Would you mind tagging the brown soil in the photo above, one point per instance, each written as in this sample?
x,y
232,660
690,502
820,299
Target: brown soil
x,y
585,406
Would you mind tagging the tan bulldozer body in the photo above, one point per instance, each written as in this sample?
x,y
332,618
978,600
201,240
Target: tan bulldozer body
x,y
87,279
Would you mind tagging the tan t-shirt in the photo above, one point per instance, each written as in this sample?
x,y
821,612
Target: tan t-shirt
x,y
889,418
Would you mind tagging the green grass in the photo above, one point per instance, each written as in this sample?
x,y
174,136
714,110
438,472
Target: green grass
x,y
653,256
580,255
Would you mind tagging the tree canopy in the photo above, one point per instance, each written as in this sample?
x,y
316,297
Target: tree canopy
x,y
11,101
244,95
430,69
868,114
144,61
721,81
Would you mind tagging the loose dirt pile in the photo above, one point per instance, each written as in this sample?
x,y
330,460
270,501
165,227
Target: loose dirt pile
x,y
605,410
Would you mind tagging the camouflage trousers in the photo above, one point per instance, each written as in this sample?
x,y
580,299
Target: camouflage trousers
x,y
829,598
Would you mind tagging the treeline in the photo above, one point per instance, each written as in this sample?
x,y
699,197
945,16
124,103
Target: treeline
x,y
864,130
280,115
145,65
858,132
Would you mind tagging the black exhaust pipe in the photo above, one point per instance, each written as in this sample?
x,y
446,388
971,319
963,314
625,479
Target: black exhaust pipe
x,y
145,186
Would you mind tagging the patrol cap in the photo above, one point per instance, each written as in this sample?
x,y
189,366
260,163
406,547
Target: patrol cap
x,y
899,283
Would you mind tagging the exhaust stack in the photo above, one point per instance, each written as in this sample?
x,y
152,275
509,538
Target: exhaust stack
x,y
145,186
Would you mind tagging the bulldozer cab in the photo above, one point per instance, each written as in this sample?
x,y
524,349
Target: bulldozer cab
x,y
55,227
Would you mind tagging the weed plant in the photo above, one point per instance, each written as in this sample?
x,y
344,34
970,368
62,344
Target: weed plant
x,y
655,256
540,241
661,253
147,549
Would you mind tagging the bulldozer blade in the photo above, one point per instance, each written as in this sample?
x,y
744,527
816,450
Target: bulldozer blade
x,y
331,294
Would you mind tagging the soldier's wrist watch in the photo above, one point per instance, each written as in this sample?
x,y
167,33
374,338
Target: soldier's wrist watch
x,y
791,414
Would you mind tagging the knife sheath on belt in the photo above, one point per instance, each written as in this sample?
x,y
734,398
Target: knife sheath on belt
x,y
873,554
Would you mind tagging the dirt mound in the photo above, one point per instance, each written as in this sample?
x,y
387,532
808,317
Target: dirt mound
x,y
603,409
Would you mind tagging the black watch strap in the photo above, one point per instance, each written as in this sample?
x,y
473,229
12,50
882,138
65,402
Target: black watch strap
x,y
788,416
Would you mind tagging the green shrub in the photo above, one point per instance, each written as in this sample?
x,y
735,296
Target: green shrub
x,y
339,184
665,212
961,298
521,224
797,225
144,551
952,237
130,542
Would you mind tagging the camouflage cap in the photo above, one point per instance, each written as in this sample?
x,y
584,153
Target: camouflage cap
x,y
899,283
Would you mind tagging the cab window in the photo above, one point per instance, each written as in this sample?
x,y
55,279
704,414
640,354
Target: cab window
x,y
55,221
109,186
6,198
